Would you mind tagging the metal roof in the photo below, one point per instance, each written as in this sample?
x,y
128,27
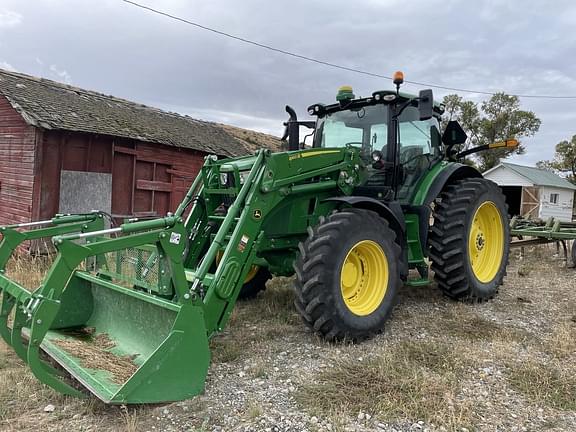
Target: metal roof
x,y
51,105
539,177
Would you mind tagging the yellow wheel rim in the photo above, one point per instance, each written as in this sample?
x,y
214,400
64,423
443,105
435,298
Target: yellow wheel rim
x,y
364,277
253,270
486,242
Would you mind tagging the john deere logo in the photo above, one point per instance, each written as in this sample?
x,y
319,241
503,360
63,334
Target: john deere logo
x,y
257,214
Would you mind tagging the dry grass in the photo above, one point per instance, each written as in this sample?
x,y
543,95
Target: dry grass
x,y
131,419
20,391
253,410
94,353
270,316
410,380
225,350
28,270
274,308
463,322
551,383
562,342
551,379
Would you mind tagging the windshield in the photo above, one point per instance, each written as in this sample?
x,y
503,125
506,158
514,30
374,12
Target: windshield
x,y
367,128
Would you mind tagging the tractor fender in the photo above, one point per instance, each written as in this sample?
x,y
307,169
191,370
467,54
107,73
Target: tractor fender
x,y
391,211
453,172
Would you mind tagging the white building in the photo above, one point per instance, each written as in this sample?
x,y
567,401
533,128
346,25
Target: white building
x,y
533,192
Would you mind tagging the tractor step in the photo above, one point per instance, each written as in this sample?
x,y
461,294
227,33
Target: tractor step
x,y
418,282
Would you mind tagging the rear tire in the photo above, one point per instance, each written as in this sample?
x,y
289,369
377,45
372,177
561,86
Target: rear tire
x,y
347,275
470,239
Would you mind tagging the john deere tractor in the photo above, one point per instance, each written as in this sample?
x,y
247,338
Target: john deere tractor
x,y
127,311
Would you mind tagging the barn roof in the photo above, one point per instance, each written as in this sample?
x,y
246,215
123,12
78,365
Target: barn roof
x,y
51,105
537,176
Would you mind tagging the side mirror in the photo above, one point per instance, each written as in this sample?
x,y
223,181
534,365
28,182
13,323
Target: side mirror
x,y
425,104
453,134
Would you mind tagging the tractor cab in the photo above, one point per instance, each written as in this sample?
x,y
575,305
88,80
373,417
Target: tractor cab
x,y
398,136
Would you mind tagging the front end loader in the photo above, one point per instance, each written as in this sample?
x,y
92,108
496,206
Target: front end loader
x,y
127,312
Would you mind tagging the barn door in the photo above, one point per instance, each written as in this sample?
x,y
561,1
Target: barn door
x,y
153,185
140,188
122,185
181,182
530,202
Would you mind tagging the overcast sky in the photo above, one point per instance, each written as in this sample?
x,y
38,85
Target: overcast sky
x,y
526,47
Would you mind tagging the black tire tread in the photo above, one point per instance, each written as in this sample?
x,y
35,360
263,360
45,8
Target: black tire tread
x,y
448,240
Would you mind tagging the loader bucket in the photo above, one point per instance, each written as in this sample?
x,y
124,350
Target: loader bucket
x,y
102,322
122,345
126,346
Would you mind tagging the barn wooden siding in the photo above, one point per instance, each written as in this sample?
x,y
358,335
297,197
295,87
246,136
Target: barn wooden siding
x,y
17,159
147,179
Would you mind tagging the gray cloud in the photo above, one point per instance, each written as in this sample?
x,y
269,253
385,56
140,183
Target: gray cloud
x,y
518,46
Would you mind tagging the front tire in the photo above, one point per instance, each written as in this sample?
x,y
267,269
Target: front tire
x,y
347,275
255,280
469,241
254,283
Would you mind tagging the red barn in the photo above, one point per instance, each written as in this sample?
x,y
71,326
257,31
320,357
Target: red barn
x,y
65,149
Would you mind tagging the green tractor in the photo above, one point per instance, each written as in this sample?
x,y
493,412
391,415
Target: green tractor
x,y
127,312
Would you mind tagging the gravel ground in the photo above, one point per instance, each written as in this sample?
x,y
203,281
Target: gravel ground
x,y
506,365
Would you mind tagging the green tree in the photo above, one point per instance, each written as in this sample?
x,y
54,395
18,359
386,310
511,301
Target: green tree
x,y
564,159
496,119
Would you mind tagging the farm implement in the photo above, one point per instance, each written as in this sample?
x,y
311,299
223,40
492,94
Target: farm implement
x,y
531,232
127,312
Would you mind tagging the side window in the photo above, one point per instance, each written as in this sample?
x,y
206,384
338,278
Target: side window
x,y
415,140
419,145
